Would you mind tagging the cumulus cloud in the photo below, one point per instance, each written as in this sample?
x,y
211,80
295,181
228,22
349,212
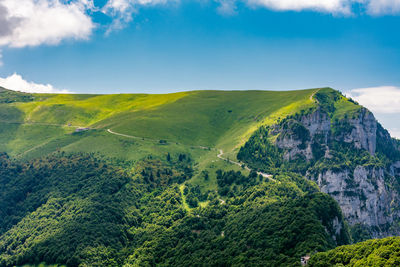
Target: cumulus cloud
x,y
17,83
383,99
35,22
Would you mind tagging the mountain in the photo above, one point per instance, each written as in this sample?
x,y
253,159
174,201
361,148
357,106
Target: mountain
x,y
339,145
192,178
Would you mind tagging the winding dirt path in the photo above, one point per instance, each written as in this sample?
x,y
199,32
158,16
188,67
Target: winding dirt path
x,y
220,154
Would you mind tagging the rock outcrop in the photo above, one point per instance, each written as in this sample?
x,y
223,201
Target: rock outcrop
x,y
368,194
363,133
364,197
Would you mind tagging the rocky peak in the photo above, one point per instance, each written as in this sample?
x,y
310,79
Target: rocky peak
x,y
336,144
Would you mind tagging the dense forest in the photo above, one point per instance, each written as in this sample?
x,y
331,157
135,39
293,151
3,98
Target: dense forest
x,y
78,210
377,252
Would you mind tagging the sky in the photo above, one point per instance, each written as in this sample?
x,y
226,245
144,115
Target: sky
x,y
161,46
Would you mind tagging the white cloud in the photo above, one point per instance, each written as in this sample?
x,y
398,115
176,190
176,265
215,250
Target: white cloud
x,y
345,7
330,6
17,83
35,22
383,99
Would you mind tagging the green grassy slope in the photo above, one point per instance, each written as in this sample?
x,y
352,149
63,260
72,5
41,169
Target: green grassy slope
x,y
208,118
34,127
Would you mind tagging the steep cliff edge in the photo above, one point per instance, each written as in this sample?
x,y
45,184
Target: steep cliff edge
x,y
341,146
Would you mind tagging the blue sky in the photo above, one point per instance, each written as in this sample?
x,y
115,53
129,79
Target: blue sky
x,y
157,46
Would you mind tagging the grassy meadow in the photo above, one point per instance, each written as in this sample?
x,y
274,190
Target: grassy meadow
x,y
198,123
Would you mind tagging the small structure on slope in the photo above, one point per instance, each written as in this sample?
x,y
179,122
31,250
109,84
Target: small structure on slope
x,y
304,260
81,129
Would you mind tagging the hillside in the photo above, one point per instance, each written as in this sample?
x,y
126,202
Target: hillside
x,y
216,178
207,118
188,121
378,252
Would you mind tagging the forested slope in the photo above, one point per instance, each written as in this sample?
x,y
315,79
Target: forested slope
x,y
79,210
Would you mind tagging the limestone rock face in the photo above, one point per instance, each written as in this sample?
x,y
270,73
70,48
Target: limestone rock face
x,y
317,125
395,169
363,197
363,134
366,194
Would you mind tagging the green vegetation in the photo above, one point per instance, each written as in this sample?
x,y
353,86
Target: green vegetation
x,y
377,252
77,210
260,153
222,119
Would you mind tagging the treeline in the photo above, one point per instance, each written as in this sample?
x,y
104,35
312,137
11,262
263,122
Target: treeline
x,y
377,252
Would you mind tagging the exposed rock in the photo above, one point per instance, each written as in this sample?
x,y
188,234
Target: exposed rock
x,y
395,169
318,125
363,196
363,193
363,134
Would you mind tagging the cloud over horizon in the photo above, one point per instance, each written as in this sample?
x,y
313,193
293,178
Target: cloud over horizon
x,y
382,99
17,83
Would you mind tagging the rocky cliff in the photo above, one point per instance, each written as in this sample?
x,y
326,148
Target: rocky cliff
x,y
364,184
341,146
